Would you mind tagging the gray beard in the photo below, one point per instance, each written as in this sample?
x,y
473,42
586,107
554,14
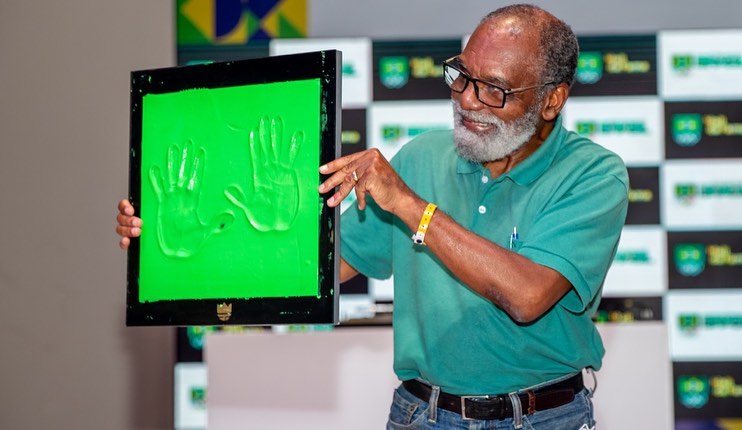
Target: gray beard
x,y
497,144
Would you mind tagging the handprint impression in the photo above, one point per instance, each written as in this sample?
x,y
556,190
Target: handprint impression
x,y
274,201
180,231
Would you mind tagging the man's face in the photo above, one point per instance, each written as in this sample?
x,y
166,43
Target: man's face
x,y
498,140
500,53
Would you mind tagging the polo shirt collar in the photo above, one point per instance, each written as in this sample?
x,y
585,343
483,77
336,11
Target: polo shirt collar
x,y
532,167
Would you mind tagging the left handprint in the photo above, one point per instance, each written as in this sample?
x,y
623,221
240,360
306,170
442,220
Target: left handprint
x,y
180,230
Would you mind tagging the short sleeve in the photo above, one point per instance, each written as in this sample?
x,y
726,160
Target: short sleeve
x,y
578,234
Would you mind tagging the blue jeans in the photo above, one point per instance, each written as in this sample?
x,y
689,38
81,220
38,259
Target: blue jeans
x,y
409,412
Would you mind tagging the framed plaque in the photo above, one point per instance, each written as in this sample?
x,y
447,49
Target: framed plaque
x,y
224,172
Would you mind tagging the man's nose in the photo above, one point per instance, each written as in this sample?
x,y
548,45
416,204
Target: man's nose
x,y
468,98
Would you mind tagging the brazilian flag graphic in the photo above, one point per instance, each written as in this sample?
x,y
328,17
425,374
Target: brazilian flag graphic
x,y
237,22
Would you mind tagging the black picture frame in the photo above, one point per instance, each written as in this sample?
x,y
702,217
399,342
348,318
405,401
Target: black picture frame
x,y
319,308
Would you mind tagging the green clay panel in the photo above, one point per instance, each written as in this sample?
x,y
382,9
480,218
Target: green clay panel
x,y
229,197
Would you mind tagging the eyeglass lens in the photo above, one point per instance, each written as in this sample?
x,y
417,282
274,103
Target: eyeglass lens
x,y
486,93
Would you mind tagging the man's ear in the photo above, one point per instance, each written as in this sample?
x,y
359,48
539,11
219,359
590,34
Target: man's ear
x,y
555,102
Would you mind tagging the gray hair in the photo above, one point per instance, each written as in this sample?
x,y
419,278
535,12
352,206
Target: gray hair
x,y
557,41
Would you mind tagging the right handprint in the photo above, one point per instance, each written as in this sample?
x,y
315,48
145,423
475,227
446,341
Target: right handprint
x,y
273,202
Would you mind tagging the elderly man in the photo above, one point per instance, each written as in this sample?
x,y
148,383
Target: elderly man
x,y
499,234
515,222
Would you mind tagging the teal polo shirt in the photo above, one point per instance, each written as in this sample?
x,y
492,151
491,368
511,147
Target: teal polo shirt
x,y
568,202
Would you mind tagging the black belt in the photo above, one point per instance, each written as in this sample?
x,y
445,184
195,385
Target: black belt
x,y
500,407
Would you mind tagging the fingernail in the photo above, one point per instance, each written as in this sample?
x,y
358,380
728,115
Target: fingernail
x,y
136,231
331,201
323,168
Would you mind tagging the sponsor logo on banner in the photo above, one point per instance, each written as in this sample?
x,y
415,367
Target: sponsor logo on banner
x,y
693,391
708,392
719,125
589,128
391,134
639,256
628,309
394,72
425,67
589,67
704,259
639,195
619,62
198,397
683,63
688,323
691,323
690,258
687,129
350,137
644,202
686,193
711,129
592,64
196,335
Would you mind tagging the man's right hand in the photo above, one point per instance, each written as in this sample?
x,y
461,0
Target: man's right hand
x,y
128,225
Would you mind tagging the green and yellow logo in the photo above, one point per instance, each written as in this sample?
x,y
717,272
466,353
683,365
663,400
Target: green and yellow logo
x,y
719,125
640,195
196,335
394,72
586,128
619,63
198,397
687,129
589,67
425,67
350,137
391,132
722,255
683,63
693,391
690,258
686,193
688,323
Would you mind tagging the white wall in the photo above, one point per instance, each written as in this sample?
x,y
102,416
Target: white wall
x,y
66,359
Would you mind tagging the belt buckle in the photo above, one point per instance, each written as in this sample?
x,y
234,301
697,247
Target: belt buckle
x,y
475,398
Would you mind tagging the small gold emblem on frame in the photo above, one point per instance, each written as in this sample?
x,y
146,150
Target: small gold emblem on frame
x,y
224,311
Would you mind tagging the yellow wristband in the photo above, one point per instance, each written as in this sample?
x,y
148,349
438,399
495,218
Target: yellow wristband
x,y
422,228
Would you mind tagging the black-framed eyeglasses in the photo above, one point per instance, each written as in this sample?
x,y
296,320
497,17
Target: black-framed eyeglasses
x,y
488,93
